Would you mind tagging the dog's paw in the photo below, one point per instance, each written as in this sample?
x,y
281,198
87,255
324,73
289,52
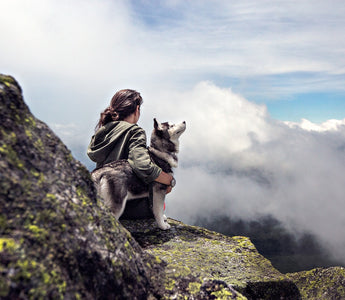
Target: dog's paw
x,y
173,164
164,226
165,218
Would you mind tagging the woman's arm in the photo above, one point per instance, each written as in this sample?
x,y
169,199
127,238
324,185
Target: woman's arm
x,y
141,163
139,157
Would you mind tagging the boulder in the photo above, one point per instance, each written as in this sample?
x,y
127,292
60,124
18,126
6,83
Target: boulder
x,y
195,252
58,240
320,283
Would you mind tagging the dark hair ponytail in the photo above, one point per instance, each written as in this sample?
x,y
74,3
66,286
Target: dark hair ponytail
x,y
122,105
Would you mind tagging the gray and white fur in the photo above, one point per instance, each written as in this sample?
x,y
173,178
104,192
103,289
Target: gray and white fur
x,y
117,183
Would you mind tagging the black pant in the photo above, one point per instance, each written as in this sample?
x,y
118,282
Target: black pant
x,y
138,209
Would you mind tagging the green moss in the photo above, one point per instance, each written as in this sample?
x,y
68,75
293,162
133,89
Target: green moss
x,y
39,175
320,283
7,80
77,296
26,268
170,284
50,197
11,156
193,252
28,133
194,287
82,195
8,137
38,232
233,260
223,294
126,244
8,244
158,260
38,144
179,270
30,120
48,280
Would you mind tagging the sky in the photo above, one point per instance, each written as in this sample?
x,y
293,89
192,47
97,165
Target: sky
x,y
260,84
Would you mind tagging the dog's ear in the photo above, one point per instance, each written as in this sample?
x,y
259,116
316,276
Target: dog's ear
x,y
158,128
156,124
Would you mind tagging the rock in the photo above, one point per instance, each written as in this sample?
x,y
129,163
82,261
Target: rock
x,y
320,283
191,251
58,241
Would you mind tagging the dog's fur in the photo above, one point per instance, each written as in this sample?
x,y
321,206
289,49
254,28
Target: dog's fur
x,y
117,183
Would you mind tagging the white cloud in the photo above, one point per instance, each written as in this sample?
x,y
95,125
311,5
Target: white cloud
x,y
217,119
235,160
71,56
329,125
104,43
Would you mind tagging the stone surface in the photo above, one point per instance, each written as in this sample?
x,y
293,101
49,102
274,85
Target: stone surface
x,y
191,251
58,241
320,283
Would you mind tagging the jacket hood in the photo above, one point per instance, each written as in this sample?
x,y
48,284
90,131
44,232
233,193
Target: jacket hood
x,y
105,138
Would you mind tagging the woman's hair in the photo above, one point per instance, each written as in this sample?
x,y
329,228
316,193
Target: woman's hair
x,y
122,105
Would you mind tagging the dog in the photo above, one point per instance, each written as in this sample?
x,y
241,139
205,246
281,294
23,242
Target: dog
x,y
117,183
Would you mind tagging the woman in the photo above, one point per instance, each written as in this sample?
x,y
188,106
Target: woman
x,y
119,137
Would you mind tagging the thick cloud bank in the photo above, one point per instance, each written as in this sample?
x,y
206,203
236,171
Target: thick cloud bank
x,y
71,56
236,160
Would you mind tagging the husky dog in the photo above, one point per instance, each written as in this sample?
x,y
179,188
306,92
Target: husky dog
x,y
116,182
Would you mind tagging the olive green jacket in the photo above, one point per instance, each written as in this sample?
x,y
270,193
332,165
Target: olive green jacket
x,y
122,140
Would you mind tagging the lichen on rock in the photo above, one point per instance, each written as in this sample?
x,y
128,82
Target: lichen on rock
x,y
194,252
58,241
320,283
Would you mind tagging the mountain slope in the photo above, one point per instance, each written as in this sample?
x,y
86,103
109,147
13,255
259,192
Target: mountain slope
x,y
58,241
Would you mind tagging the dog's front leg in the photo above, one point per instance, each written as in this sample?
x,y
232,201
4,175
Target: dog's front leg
x,y
159,192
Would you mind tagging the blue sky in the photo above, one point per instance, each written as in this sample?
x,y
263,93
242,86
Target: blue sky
x,y
312,88
316,107
288,55
235,71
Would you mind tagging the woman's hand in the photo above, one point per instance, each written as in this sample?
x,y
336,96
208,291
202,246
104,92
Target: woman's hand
x,y
169,188
166,179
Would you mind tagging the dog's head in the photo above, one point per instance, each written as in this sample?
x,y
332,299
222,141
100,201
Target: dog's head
x,y
169,131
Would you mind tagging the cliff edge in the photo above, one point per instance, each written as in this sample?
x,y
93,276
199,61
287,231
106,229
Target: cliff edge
x,y
59,242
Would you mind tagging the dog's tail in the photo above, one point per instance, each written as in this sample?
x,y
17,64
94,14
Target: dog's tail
x,y
114,194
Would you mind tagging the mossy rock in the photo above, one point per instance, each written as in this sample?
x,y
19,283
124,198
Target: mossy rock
x,y
191,251
320,283
57,240
9,81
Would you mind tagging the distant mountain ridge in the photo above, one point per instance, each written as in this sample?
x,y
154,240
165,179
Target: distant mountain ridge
x,y
59,242
287,252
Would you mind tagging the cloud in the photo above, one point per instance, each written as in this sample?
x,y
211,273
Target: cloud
x,y
121,42
71,56
329,125
237,161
